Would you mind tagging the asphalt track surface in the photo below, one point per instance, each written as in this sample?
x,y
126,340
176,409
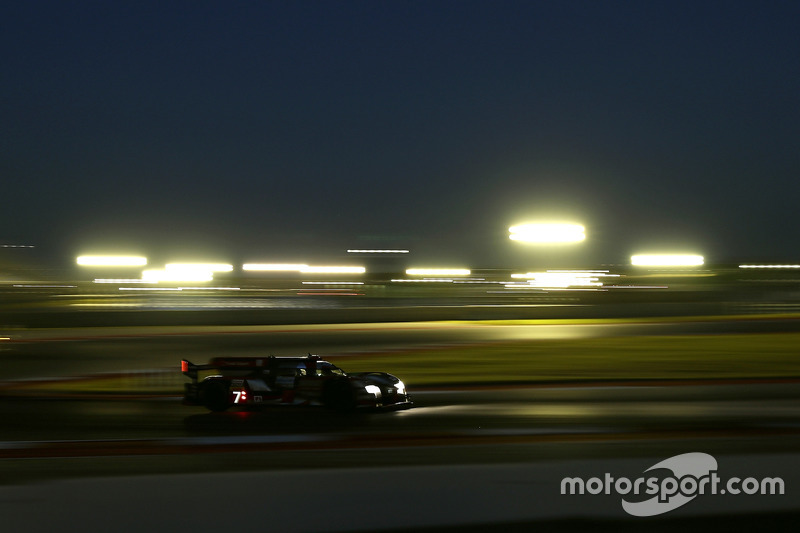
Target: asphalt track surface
x,y
475,458
438,414
512,497
480,460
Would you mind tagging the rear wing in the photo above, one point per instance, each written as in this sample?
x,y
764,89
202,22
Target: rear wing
x,y
190,369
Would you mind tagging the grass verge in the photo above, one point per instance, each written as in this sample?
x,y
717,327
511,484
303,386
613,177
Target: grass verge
x,y
597,359
674,357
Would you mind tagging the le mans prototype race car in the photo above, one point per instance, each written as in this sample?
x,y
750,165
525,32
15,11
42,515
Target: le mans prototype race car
x,y
248,382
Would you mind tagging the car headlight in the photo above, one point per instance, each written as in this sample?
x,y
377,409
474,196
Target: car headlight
x,y
401,387
373,389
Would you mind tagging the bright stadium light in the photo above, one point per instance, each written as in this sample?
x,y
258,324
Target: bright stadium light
x,y
111,260
667,260
438,272
547,233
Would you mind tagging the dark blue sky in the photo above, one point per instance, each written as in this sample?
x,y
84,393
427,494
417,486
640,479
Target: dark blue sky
x,y
274,130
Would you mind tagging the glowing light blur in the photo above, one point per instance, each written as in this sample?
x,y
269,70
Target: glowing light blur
x,y
770,266
559,279
547,233
111,260
667,260
210,288
333,270
333,283
179,289
119,281
274,267
438,272
377,251
426,280
149,289
575,273
45,286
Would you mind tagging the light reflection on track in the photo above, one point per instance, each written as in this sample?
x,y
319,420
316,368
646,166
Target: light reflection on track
x,y
453,417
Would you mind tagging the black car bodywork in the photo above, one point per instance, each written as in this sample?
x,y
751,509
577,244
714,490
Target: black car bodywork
x,y
248,382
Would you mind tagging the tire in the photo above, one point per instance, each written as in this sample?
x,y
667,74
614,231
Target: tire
x,y
339,396
215,395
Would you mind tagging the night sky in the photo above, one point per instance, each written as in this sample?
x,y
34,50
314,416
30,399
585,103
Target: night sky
x,y
291,131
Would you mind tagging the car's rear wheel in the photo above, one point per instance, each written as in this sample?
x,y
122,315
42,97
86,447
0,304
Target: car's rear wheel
x,y
215,395
339,396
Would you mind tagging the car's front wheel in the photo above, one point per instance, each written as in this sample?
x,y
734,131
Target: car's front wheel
x,y
339,396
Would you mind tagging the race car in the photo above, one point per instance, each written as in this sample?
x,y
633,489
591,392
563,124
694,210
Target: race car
x,y
247,382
